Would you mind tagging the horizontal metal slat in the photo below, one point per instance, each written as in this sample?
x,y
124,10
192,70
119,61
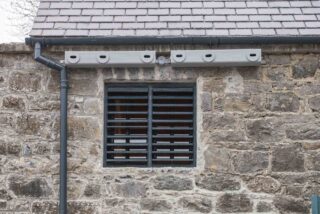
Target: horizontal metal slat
x,y
173,113
126,152
126,136
172,160
127,160
172,128
173,152
127,127
127,97
173,89
172,136
172,121
173,105
172,144
127,89
127,121
172,97
127,104
127,145
128,112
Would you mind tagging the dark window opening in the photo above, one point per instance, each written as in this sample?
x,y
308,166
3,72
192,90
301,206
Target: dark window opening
x,y
150,125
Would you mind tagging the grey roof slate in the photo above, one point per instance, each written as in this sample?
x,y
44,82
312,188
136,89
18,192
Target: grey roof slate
x,y
106,18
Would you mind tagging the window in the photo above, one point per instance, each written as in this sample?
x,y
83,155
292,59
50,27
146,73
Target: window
x,y
149,125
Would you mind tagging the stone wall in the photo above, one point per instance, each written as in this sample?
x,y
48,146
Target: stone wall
x,y
258,138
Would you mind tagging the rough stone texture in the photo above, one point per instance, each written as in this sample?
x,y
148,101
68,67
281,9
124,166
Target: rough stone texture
x,y
173,183
234,203
257,129
264,207
307,67
290,205
217,182
156,205
287,158
196,204
250,162
264,184
36,188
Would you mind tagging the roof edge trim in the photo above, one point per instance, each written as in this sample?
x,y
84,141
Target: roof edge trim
x,y
197,40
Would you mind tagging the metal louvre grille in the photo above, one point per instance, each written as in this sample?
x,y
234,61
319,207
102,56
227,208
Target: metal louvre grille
x,y
149,125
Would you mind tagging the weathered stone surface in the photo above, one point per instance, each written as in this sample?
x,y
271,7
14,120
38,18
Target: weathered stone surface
x,y
218,121
313,161
114,202
264,184
157,205
13,149
131,189
264,207
303,132
217,182
250,162
79,84
47,207
133,73
35,188
234,203
217,159
28,124
170,182
290,205
206,102
196,204
226,136
92,106
92,191
314,103
3,205
287,159
278,59
263,131
83,128
27,82
4,195
11,102
278,73
237,103
283,102
3,148
307,67
80,207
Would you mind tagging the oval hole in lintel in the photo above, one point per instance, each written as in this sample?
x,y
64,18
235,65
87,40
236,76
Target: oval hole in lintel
x,y
208,55
103,56
253,55
147,56
179,55
73,56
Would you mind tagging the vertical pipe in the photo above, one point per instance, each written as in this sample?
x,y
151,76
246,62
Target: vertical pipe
x,y
63,140
315,204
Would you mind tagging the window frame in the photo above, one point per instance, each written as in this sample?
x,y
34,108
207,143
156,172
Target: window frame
x,y
149,129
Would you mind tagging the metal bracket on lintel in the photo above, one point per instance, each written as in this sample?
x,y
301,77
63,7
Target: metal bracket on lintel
x,y
200,58
110,58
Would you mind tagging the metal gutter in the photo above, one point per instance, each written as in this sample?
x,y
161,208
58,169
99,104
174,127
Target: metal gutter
x,y
198,40
63,122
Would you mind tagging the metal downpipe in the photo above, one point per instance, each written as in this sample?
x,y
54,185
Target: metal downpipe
x,y
63,123
63,140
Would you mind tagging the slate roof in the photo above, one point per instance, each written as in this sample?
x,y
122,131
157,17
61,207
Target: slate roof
x,y
167,18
